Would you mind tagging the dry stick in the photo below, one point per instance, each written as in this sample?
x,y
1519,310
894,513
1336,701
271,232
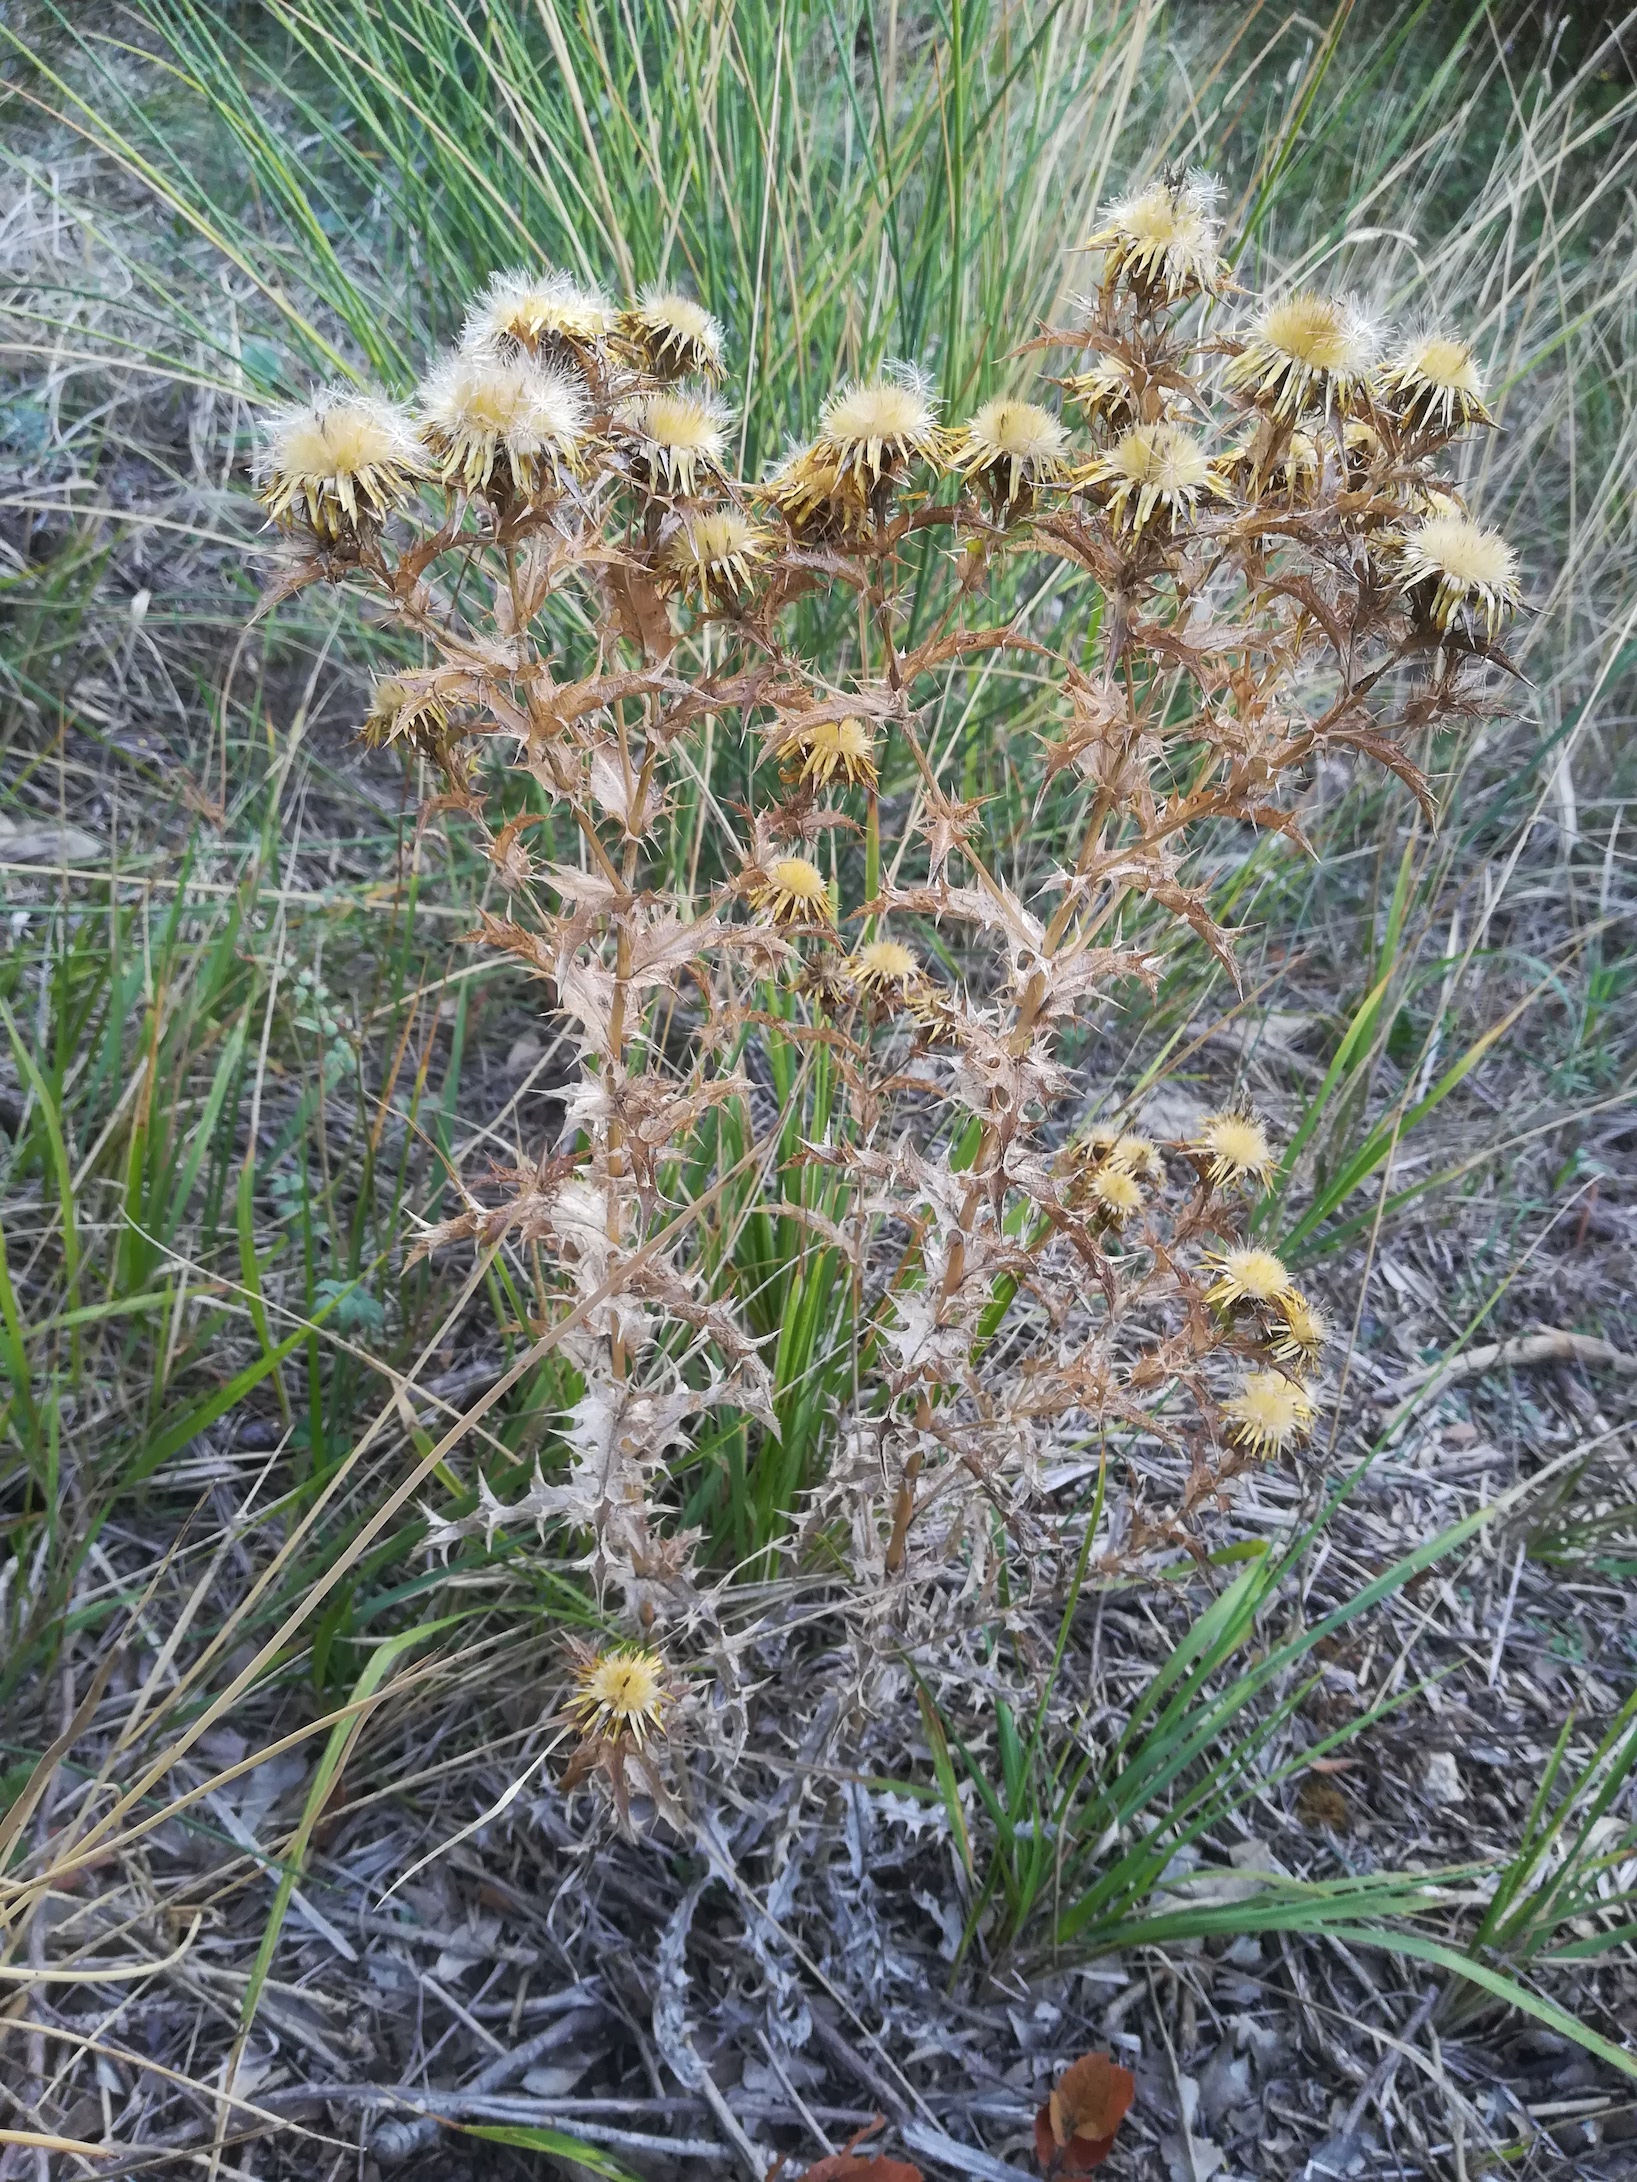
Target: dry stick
x,y
1505,1626
142,2064
1551,1346
794,2096
1434,1381
1381,2077
511,2064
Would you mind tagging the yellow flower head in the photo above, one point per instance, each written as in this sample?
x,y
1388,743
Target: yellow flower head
x,y
831,747
677,438
1238,1149
872,431
1468,571
538,314
1163,241
792,892
811,493
1154,471
509,425
715,554
1362,443
671,335
340,463
403,704
1131,1154
620,1695
1297,469
1136,1155
1117,1192
1269,1413
1307,352
1301,1330
1108,392
1247,1275
885,965
1433,383
1013,448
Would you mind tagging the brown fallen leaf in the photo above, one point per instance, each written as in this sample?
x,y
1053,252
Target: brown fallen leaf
x,y
1074,2131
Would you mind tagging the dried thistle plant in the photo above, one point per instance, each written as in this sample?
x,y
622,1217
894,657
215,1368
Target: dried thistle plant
x,y
1285,569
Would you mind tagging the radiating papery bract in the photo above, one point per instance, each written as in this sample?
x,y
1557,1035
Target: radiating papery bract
x,y
672,336
510,425
340,463
1164,241
678,439
1154,473
1434,383
1309,351
1461,571
1270,1412
868,430
1011,448
544,314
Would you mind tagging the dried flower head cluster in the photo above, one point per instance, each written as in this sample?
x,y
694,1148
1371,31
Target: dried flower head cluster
x,y
746,838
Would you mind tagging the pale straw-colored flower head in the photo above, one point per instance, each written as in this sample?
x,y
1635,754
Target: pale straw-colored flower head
x,y
1110,391
1308,351
810,491
1155,474
672,336
1433,384
869,431
715,557
340,463
792,891
885,967
1300,1330
1011,448
1270,1414
1163,242
620,1695
1116,1193
502,426
1236,1144
1137,1155
677,438
403,705
1247,1275
826,750
539,314
1459,570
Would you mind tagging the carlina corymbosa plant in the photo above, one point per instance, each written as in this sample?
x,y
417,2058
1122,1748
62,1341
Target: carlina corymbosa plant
x,y
706,684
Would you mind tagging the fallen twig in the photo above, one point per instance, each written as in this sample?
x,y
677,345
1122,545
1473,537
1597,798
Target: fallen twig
x,y
1552,1346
